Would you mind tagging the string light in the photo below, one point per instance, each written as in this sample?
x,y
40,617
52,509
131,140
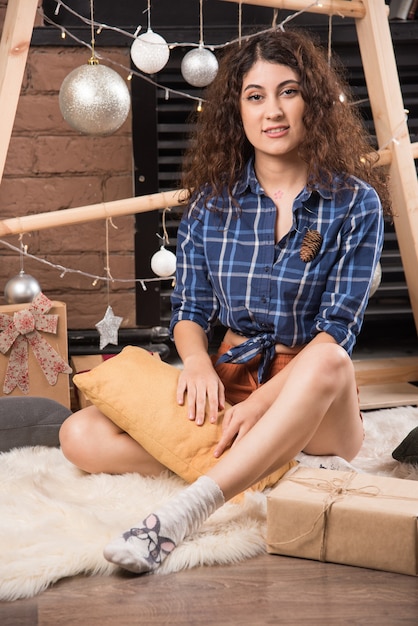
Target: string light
x,y
67,270
131,73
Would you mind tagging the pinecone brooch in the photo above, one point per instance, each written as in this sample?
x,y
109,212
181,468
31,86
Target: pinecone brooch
x,y
311,246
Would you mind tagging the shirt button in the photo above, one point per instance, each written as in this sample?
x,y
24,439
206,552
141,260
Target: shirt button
x,y
263,299
266,268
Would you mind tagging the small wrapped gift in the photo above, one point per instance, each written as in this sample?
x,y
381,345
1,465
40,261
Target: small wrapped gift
x,y
34,350
344,517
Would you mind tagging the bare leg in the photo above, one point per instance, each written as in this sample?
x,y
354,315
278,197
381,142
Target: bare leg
x,y
316,411
95,444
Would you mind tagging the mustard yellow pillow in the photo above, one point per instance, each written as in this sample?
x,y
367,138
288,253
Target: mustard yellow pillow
x,y
138,393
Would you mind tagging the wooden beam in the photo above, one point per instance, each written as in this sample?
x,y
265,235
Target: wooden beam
x,y
14,48
128,206
385,155
391,127
101,211
343,8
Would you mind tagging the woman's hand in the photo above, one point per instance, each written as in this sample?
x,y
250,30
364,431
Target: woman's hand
x,y
238,420
203,386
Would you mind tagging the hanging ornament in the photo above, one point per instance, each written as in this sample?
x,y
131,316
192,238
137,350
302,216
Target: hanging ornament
x,y
199,67
150,52
108,328
377,277
163,262
21,288
94,99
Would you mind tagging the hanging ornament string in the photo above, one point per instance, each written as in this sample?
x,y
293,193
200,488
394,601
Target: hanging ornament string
x,y
240,22
108,327
109,222
329,39
201,22
93,59
165,238
23,251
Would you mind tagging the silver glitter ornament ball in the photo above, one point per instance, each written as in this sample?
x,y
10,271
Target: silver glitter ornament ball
x,y
94,99
21,288
199,67
150,52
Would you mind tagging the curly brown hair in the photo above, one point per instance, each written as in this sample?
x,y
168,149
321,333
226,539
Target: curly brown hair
x,y
336,140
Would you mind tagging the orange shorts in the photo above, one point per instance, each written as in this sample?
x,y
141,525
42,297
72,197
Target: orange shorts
x,y
241,380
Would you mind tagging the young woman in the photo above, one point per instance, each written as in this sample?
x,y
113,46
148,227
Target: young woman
x,y
279,244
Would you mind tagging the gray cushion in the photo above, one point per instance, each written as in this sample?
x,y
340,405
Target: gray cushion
x,y
30,421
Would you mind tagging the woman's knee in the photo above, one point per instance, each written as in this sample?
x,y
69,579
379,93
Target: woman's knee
x,y
334,366
77,436
70,435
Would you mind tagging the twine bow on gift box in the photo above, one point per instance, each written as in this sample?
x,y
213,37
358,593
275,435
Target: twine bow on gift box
x,y
22,330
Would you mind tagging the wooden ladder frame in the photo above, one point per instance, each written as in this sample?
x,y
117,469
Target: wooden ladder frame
x,y
381,74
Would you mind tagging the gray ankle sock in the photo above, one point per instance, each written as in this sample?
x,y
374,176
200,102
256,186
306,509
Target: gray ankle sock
x,y
143,548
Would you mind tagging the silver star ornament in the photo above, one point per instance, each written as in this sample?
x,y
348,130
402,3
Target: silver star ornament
x,y
108,328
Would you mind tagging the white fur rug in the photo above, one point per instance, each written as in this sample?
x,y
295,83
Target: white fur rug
x,y
55,520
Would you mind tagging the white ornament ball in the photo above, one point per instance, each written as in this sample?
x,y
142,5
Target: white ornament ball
x,y
21,288
377,277
163,262
150,52
94,99
199,67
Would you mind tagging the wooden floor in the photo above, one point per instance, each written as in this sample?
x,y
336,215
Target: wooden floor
x,y
264,590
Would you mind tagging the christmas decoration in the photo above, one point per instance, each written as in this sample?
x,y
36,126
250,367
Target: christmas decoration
x,y
21,288
108,328
199,67
163,262
377,277
311,245
94,99
20,331
150,52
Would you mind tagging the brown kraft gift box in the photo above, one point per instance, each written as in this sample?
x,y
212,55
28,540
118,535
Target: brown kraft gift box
x,y
85,363
37,382
344,517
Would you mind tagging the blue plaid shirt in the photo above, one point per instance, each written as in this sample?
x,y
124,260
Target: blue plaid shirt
x,y
230,269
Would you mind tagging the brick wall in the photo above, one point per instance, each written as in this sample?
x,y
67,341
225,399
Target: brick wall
x,y
51,167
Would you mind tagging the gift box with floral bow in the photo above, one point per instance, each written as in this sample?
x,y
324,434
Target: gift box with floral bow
x,y
344,517
34,350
